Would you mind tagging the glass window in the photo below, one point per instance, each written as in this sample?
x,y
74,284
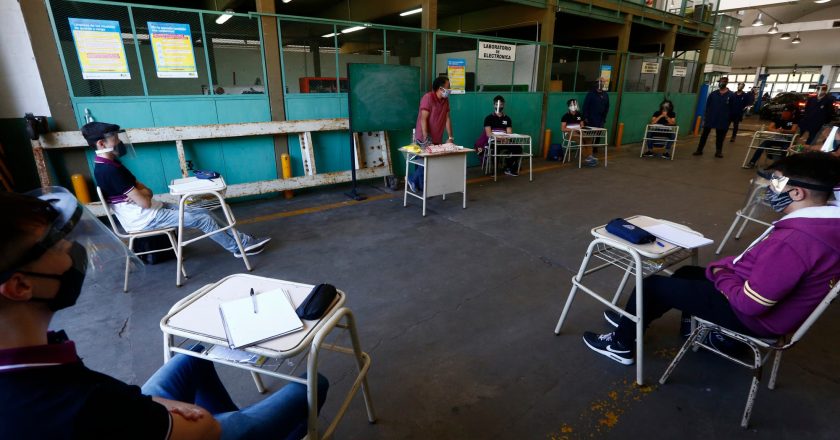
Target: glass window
x,y
494,75
309,57
771,77
235,55
589,70
783,77
458,48
405,49
525,68
563,68
750,79
365,45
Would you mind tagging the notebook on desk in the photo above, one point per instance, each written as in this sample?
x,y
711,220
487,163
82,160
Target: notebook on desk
x,y
274,316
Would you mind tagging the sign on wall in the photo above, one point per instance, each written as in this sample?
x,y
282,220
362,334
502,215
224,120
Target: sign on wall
x,y
99,48
496,51
456,71
680,71
650,67
606,73
173,50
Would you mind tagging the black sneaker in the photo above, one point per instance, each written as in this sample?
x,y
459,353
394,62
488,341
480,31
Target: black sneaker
x,y
511,172
647,153
719,155
697,153
666,155
612,317
607,346
722,343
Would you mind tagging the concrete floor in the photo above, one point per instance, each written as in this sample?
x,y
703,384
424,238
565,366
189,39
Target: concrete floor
x,y
457,309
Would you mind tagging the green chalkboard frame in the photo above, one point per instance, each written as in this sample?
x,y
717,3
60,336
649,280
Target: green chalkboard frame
x,y
383,96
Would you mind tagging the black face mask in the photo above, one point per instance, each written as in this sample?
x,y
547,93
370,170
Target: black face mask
x,y
70,282
120,150
722,85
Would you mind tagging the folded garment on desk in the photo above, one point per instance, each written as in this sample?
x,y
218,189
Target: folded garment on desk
x,y
630,232
442,148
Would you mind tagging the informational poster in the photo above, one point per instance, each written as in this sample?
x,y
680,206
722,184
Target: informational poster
x,y
606,73
650,67
496,51
456,71
173,50
100,48
680,71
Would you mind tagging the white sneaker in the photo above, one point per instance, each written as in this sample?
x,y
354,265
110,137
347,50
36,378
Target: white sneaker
x,y
254,248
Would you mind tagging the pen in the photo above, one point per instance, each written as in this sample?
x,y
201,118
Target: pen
x,y
660,243
254,300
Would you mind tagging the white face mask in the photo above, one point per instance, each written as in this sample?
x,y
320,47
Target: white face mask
x,y
821,93
573,108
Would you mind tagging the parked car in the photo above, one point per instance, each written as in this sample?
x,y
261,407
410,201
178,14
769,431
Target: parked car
x,y
772,109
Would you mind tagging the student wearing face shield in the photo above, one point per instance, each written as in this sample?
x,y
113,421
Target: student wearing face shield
x,y
768,290
664,116
132,201
785,124
718,110
432,119
596,106
51,250
819,110
740,101
499,122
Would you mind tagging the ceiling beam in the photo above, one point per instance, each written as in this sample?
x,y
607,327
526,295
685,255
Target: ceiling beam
x,y
498,17
368,10
734,5
803,26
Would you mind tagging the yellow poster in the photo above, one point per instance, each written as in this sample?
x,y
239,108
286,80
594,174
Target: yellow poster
x,y
456,71
173,50
100,48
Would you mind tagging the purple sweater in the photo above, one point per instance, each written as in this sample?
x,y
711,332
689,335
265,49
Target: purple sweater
x,y
782,277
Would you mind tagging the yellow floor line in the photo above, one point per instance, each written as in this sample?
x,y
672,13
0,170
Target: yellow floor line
x,y
329,206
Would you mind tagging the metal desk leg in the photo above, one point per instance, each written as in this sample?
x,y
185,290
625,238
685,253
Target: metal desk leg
x,y
530,162
640,325
407,176
231,221
729,232
425,176
495,161
464,201
179,253
258,382
575,281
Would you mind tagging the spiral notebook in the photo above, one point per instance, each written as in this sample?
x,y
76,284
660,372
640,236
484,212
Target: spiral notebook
x,y
248,324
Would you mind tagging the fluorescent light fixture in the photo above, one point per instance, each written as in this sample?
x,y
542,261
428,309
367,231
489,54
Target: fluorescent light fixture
x,y
286,1
330,35
728,26
413,11
224,17
773,29
352,29
821,1
785,36
757,21
796,39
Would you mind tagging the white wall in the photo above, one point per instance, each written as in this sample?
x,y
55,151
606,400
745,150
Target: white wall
x,y
817,48
21,90
497,72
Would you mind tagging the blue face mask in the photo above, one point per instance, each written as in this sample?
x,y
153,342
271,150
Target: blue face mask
x,y
778,201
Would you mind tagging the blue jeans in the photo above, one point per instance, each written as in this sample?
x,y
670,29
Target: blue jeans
x,y
667,140
193,380
197,218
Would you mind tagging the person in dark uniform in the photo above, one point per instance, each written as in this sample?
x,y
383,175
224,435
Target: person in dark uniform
x,y
718,108
596,106
740,101
819,110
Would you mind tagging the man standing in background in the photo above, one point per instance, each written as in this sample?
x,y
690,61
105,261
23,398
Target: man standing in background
x,y
718,108
819,110
596,105
740,101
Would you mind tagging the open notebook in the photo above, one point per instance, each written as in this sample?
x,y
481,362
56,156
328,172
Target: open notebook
x,y
275,316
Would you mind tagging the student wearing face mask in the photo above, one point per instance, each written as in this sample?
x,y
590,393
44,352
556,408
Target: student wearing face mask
x,y
571,121
499,122
740,101
718,109
785,125
664,116
771,288
596,106
132,201
819,110
432,119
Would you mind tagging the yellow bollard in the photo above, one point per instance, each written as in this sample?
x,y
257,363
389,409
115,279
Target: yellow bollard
x,y
697,125
546,143
286,164
80,188
619,135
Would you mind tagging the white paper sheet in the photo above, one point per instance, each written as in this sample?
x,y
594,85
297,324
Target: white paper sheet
x,y
677,236
275,317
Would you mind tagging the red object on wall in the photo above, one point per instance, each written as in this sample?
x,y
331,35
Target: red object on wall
x,y
311,84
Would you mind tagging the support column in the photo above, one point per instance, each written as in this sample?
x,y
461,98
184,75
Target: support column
x,y
274,77
667,54
619,68
702,57
545,60
428,21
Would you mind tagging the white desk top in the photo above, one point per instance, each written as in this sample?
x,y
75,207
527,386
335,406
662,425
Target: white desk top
x,y
197,316
648,250
195,185
461,150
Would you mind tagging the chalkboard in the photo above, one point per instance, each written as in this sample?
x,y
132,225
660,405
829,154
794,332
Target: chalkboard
x,y
383,96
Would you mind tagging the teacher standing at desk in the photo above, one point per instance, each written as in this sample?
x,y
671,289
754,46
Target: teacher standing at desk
x,y
432,118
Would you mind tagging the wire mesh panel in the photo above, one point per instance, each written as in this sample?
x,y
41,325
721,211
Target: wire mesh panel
x,y
109,18
235,53
309,57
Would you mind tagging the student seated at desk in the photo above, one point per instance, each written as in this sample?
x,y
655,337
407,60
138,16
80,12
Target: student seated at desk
x,y
664,116
785,125
572,121
132,201
771,288
46,244
498,122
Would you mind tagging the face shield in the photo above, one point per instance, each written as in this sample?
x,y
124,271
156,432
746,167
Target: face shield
x,y
99,254
118,143
828,139
573,106
498,106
